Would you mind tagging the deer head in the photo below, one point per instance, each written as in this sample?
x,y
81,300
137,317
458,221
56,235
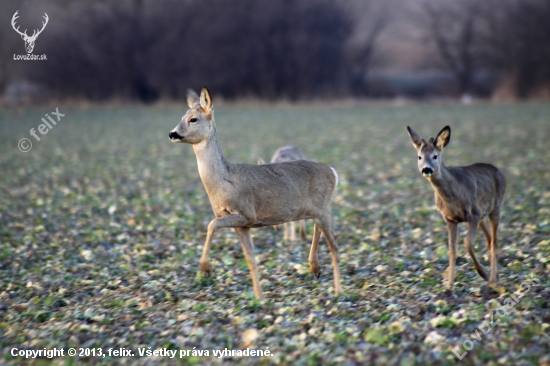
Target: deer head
x,y
29,40
196,125
429,153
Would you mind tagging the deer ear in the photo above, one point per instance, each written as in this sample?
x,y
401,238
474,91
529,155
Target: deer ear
x,y
261,161
206,100
415,138
192,98
443,137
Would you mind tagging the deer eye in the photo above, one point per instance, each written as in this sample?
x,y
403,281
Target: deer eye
x,y
435,157
420,158
193,120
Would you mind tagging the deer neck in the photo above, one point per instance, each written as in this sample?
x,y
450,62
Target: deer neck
x,y
213,168
442,183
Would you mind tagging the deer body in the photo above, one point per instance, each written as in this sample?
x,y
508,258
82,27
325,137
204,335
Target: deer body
x,y
463,194
245,196
282,155
268,194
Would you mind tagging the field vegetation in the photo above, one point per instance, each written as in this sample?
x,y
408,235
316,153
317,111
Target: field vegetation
x,y
102,223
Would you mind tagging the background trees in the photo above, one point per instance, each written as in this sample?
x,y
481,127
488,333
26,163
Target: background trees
x,y
150,49
509,38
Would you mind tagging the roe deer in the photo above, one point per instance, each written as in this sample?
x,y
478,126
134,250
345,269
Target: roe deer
x,y
245,196
463,194
282,155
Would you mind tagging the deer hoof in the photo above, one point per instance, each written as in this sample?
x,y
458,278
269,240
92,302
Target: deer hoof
x,y
486,290
445,295
316,270
205,267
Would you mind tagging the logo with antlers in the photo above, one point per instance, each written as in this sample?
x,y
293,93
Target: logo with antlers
x,y
29,40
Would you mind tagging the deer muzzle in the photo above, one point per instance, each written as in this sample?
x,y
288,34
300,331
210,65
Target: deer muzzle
x,y
427,171
174,136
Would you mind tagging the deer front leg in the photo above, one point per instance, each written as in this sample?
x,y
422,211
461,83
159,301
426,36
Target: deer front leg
x,y
313,258
452,229
235,220
248,248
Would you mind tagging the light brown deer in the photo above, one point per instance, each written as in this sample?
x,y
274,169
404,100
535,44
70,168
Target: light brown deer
x,y
463,194
245,196
282,155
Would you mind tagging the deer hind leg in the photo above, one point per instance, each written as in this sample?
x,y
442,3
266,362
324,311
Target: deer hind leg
x,y
234,220
303,235
326,229
313,258
483,226
469,243
248,249
292,226
286,231
494,218
452,229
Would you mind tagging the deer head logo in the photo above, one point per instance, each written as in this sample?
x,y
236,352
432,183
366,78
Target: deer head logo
x,y
29,40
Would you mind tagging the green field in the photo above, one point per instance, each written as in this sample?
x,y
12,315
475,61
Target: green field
x,y
102,223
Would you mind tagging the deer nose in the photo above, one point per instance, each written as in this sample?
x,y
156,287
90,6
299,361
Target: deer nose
x,y
174,136
427,171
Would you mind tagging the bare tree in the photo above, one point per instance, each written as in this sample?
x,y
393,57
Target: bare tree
x,y
517,35
141,49
452,26
370,18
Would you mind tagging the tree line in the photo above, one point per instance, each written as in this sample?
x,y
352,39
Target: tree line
x,y
508,37
150,49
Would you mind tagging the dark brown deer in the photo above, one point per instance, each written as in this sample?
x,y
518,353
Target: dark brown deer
x,y
463,194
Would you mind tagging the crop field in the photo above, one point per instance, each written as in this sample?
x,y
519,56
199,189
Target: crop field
x,y
102,224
